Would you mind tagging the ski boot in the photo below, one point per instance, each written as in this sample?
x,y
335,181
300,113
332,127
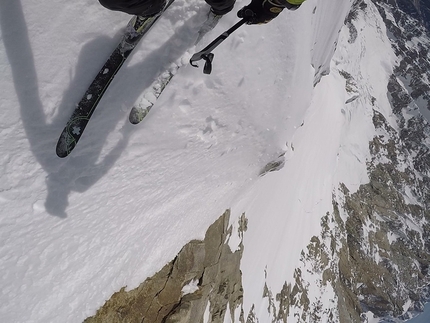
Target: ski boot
x,y
208,25
134,31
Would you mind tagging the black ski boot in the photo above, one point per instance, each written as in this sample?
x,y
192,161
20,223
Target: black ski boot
x,y
134,30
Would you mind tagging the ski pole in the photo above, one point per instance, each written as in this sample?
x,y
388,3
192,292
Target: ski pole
x,y
206,53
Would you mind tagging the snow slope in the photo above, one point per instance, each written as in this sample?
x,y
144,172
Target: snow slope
x,y
75,230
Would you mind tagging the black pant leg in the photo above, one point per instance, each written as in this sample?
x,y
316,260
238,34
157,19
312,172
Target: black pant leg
x,y
221,7
135,7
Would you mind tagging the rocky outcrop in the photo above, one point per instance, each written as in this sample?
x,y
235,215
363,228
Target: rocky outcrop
x,y
409,86
204,280
386,238
419,9
372,257
373,254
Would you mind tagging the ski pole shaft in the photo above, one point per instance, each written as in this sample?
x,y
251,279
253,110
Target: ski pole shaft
x,y
206,53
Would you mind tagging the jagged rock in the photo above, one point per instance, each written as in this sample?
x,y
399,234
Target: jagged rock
x,y
160,297
274,165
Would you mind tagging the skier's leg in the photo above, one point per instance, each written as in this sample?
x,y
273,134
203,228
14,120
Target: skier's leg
x,y
135,7
221,7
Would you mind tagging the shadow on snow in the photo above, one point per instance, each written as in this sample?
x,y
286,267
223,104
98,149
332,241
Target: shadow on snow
x,y
82,169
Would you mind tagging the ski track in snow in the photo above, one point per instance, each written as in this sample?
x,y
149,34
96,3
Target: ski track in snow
x,y
75,230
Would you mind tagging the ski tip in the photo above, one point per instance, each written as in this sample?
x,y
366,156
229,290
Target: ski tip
x,y
137,115
133,117
61,153
65,145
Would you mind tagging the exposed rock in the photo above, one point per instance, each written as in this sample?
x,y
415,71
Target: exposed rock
x,y
209,264
274,165
357,6
373,253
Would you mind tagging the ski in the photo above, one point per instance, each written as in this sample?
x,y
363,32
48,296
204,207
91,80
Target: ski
x,y
147,100
74,128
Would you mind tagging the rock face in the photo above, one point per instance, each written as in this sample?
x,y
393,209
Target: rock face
x,y
419,9
372,257
382,249
204,280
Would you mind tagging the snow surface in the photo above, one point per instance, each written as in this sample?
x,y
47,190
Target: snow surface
x,y
75,230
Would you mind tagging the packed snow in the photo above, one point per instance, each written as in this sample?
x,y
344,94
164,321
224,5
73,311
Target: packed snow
x,y
75,230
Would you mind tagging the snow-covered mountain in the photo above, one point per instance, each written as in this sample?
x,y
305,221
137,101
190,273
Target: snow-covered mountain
x,y
290,185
